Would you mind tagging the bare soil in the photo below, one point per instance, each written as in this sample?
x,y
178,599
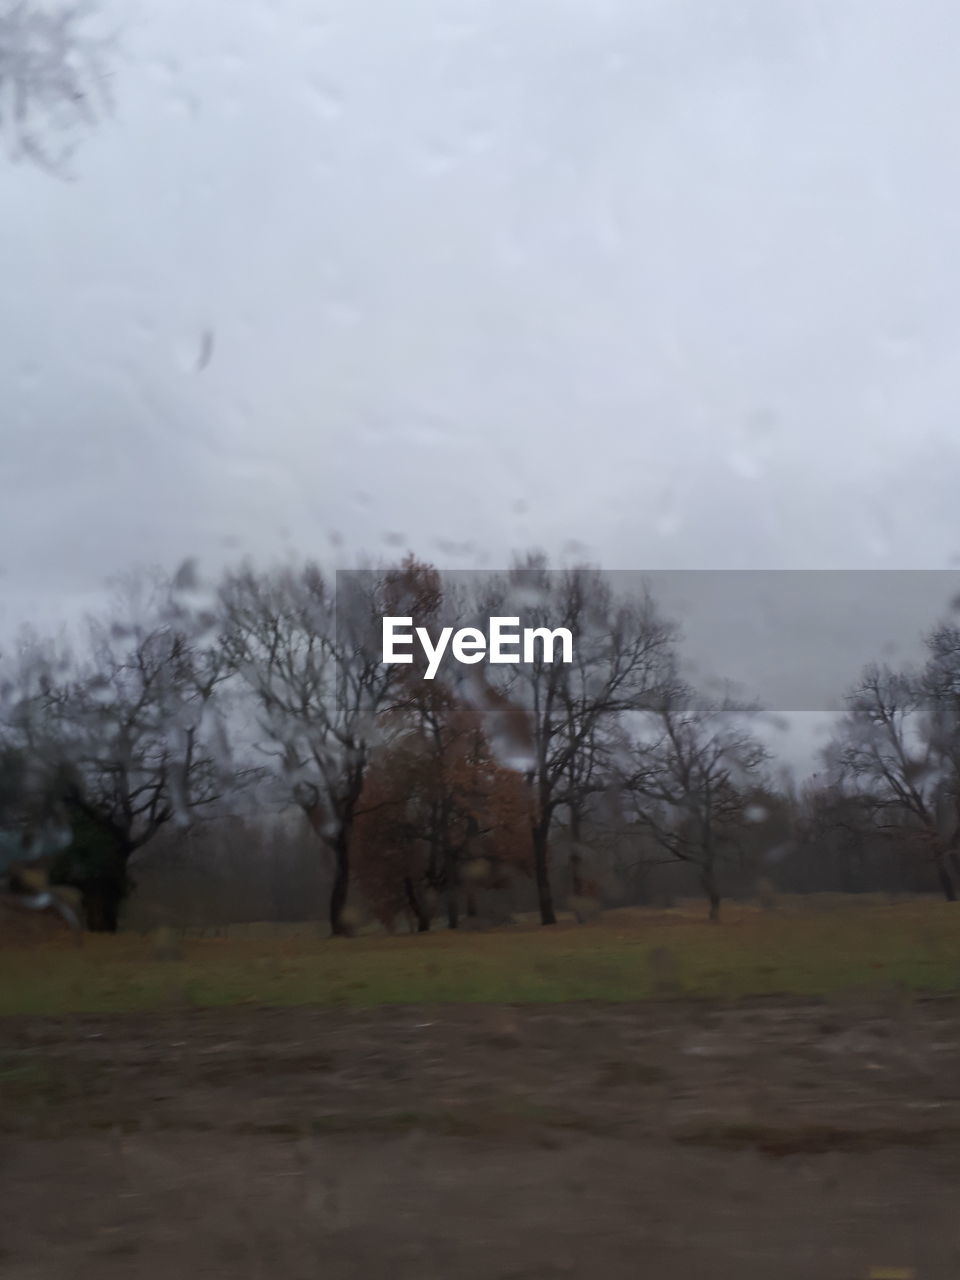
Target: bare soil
x,y
665,1140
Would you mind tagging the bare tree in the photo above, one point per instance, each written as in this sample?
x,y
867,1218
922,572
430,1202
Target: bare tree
x,y
573,711
53,80
694,764
121,737
311,658
27,846
898,746
834,837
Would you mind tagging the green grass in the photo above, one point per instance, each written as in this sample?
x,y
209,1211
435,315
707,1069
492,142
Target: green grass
x,y
803,950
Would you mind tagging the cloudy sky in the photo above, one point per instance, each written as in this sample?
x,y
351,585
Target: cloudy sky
x,y
666,283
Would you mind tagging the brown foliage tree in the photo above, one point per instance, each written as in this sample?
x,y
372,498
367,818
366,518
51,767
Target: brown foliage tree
x,y
435,801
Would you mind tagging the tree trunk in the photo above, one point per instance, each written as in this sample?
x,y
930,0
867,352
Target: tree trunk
x,y
416,906
341,884
707,867
540,861
471,905
95,864
946,880
709,883
101,905
453,909
340,847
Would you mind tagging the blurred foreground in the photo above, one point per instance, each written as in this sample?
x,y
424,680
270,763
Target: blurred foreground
x,y
671,1139
647,1094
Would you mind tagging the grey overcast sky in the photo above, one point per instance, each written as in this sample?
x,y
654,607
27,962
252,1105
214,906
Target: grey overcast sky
x,y
666,283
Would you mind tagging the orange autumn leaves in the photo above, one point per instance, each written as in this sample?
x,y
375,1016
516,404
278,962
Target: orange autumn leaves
x,y
439,818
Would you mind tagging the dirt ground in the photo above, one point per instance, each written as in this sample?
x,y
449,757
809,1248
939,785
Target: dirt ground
x,y
665,1140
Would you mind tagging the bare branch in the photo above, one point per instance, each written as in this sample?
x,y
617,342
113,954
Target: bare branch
x,y
54,85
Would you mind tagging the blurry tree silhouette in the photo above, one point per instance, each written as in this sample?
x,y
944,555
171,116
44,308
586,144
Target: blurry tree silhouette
x,y
119,739
436,801
54,86
310,658
570,713
898,747
693,778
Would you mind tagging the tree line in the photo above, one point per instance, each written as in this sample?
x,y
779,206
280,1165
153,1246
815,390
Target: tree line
x,y
180,707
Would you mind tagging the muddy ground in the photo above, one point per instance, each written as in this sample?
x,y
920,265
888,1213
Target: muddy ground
x,y
668,1140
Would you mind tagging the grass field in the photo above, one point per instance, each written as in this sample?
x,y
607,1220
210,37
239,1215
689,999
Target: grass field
x,y
803,949
593,1131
